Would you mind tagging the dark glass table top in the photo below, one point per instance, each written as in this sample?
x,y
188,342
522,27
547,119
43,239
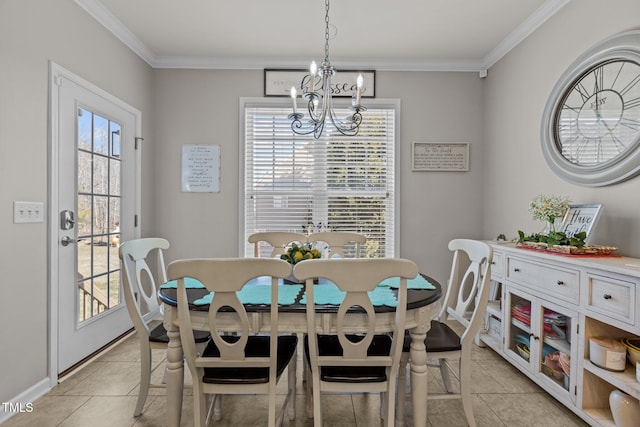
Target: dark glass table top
x,y
416,298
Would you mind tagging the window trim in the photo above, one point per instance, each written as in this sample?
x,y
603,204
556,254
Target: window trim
x,y
249,102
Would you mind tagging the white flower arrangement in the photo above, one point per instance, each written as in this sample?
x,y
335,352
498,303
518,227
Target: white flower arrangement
x,y
548,208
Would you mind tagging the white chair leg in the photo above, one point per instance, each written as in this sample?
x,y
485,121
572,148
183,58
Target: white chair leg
x,y
465,392
145,377
217,407
317,408
292,386
308,388
199,406
402,390
446,375
390,403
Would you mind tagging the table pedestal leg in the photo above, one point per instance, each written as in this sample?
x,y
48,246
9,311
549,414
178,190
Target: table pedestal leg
x,y
175,375
418,357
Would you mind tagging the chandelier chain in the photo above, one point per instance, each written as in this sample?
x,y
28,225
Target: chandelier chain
x,y
326,32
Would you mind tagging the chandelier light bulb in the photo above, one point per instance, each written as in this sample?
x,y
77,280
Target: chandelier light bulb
x,y
294,93
313,70
359,84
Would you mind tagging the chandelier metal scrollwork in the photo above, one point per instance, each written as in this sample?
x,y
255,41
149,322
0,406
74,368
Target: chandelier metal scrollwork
x,y
316,90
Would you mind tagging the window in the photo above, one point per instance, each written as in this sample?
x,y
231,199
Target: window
x,y
337,183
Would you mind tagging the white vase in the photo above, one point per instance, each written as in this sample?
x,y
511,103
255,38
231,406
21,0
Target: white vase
x,y
625,409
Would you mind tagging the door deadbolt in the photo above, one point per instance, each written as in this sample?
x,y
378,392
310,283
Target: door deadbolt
x,y
67,220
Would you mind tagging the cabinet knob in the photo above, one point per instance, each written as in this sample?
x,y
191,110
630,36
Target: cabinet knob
x,y
560,282
516,270
607,296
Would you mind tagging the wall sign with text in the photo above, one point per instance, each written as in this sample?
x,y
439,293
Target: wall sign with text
x,y
580,218
201,168
440,156
343,82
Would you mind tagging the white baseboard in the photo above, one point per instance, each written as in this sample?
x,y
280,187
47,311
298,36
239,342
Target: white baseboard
x,y
24,400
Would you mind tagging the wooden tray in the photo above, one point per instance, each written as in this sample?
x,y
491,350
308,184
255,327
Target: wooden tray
x,y
569,250
585,250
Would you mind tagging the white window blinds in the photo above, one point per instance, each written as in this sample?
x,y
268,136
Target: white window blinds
x,y
337,183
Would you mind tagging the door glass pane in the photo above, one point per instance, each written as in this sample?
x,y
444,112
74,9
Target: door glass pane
x,y
98,212
100,175
100,135
84,129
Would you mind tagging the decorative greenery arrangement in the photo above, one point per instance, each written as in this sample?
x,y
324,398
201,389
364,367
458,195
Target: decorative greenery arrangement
x,y
554,238
548,208
297,253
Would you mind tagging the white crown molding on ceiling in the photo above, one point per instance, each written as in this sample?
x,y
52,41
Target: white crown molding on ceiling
x,y
100,13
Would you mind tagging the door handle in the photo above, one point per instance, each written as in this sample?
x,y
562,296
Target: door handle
x,y
66,241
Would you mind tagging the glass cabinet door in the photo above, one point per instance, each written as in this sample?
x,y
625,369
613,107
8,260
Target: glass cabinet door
x,y
539,336
556,337
519,337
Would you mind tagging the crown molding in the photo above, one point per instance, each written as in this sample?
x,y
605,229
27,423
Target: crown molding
x,y
100,13
522,31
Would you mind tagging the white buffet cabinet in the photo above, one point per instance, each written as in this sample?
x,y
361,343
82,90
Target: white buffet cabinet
x,y
544,311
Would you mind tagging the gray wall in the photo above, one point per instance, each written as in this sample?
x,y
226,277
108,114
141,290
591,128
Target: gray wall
x,y
32,32
201,107
516,91
499,116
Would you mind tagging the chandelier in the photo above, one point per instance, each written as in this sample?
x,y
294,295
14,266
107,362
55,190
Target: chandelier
x,y
316,90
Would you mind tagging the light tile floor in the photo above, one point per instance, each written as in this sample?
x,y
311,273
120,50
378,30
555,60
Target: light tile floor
x,y
104,393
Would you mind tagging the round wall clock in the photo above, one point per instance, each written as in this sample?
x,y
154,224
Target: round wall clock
x,y
591,123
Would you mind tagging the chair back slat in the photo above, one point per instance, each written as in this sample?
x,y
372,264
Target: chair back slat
x,y
468,287
142,301
356,277
278,240
225,277
339,241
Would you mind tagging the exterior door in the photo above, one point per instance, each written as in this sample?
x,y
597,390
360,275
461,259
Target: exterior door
x,y
93,209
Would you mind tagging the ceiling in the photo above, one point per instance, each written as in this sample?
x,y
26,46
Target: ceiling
x,y
448,35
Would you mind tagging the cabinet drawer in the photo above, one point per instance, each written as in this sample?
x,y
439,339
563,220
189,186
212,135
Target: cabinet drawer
x,y
497,266
553,281
612,297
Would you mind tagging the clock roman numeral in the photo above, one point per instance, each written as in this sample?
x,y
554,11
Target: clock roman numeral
x,y
630,123
632,103
583,91
574,109
630,85
598,77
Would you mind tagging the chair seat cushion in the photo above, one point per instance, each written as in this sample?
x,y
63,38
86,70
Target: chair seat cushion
x,y
329,345
257,346
439,338
159,334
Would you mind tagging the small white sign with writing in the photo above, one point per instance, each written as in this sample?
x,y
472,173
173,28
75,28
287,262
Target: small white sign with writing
x,y
580,218
440,156
201,168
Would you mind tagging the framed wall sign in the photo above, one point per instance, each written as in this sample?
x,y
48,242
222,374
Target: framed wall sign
x,y
580,218
440,156
201,168
278,82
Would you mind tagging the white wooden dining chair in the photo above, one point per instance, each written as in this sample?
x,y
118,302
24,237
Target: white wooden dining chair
x,y
246,362
355,359
465,302
278,240
340,241
140,287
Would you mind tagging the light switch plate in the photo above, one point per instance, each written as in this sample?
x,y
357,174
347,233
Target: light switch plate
x,y
26,212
